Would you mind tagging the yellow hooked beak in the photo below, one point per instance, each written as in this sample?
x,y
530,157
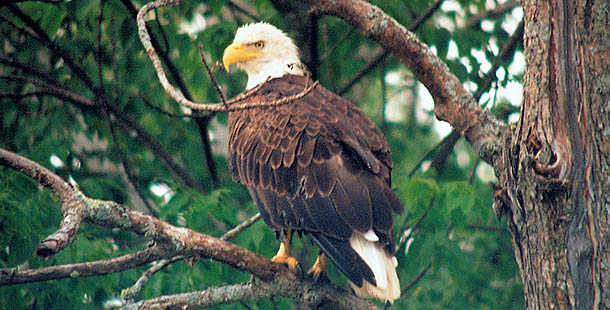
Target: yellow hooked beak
x,y
237,52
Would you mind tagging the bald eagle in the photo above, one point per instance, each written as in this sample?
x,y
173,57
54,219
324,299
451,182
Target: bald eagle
x,y
316,165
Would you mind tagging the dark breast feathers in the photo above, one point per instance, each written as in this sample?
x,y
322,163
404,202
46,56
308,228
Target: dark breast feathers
x,y
316,165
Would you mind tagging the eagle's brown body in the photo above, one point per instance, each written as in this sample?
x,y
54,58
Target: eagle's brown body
x,y
316,165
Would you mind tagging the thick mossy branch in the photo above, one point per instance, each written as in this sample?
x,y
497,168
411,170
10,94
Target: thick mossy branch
x,y
169,241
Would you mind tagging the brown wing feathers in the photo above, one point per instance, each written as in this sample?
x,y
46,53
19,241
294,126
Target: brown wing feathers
x,y
317,164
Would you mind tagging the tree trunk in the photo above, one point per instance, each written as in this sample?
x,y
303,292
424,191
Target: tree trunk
x,y
555,170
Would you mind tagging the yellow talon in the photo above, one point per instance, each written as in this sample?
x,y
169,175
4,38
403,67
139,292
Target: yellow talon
x,y
319,267
283,254
286,259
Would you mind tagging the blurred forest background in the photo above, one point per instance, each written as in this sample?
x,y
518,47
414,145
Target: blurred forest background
x,y
78,95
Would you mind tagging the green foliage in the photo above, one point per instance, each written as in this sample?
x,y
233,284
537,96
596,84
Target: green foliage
x,y
448,224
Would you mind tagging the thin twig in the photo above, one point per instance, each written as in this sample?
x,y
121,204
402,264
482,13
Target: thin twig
x,y
384,98
446,148
332,49
152,54
173,70
242,10
329,66
37,33
36,93
495,12
203,124
488,228
115,69
245,224
62,93
490,77
5,2
366,69
508,47
41,74
284,100
382,56
178,96
243,303
144,137
425,157
413,281
417,278
177,78
311,33
473,172
127,168
211,76
134,290
164,50
426,15
168,113
126,122
98,48
403,239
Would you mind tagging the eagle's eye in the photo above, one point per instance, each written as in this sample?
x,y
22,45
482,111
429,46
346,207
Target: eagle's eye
x,y
259,44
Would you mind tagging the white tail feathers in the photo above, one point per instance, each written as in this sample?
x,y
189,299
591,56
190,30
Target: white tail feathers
x,y
381,263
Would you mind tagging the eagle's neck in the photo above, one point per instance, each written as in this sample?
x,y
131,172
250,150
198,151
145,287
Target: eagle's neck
x,y
261,73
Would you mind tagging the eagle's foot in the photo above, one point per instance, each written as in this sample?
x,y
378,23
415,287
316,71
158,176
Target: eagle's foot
x,y
318,270
283,254
286,259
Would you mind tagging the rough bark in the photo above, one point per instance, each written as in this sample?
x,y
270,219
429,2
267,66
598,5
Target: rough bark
x,y
555,171
554,166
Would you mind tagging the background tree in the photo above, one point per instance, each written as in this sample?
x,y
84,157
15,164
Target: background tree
x,y
79,95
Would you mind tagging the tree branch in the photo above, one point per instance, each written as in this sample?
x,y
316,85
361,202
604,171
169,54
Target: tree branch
x,y
170,241
452,102
235,230
71,220
37,33
448,143
417,278
40,74
56,91
112,215
382,56
11,276
201,121
130,293
126,123
308,294
495,12
242,10
177,95
127,168
5,2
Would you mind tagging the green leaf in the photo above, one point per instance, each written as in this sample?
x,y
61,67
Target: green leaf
x,y
459,201
51,19
418,193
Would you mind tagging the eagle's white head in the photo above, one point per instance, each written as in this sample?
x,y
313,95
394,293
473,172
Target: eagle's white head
x,y
263,52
